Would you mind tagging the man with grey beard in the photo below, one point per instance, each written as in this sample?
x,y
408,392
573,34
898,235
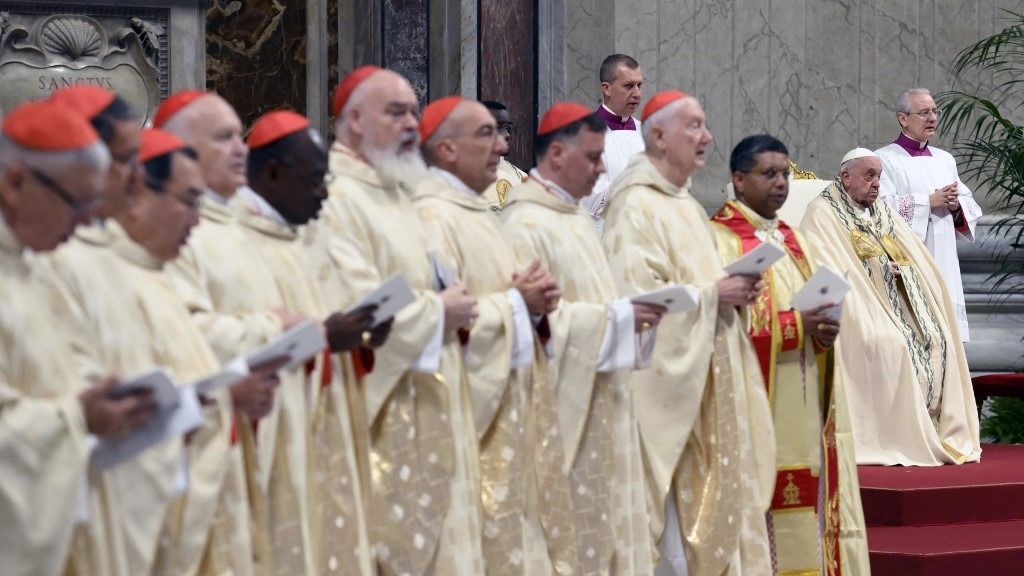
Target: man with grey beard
x,y
415,430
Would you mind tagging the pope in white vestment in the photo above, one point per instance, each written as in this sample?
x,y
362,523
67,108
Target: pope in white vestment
x,y
913,403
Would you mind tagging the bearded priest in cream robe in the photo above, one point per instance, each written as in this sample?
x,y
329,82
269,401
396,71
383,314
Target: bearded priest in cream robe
x,y
416,420
816,522
703,412
57,515
287,168
508,175
463,144
596,340
131,319
921,183
238,307
913,403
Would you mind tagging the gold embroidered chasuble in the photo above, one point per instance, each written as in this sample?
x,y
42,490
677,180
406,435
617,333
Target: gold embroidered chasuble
x,y
128,319
44,443
596,440
704,419
913,404
232,301
337,513
468,237
424,502
813,441
509,176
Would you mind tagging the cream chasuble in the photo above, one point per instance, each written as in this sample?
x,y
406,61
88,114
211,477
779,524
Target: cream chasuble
x,y
232,302
337,512
509,176
619,148
704,418
424,502
913,404
596,440
130,320
906,184
814,456
45,482
498,356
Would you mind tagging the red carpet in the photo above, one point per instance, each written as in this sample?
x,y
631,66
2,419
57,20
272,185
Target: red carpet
x,y
947,520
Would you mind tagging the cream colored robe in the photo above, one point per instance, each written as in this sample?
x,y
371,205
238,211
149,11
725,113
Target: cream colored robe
x,y
814,443
337,513
509,176
913,404
44,443
596,441
424,501
467,235
129,319
232,301
704,418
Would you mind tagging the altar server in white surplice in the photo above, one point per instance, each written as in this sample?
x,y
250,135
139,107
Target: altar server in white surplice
x,y
921,182
621,84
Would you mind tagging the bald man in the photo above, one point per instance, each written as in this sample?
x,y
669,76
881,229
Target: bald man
x,y
209,274
703,412
463,145
416,427
54,510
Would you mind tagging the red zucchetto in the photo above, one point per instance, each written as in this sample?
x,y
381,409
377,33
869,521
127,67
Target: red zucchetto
x,y
275,125
561,115
349,84
435,114
46,126
175,103
156,143
660,100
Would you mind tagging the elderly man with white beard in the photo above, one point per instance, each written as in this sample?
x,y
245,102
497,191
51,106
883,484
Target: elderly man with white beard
x,y
416,428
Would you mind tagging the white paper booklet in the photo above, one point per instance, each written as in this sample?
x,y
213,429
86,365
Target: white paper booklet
x,y
444,276
678,298
390,298
299,343
172,419
757,261
824,287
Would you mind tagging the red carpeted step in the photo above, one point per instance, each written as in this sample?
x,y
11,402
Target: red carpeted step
x,y
989,548
992,490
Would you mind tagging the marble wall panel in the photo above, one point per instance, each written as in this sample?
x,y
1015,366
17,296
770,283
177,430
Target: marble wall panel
x,y
406,42
507,68
637,33
589,36
831,67
551,75
470,49
678,49
715,81
256,55
790,115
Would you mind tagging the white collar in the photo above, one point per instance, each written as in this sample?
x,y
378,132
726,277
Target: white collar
x,y
555,189
260,205
453,181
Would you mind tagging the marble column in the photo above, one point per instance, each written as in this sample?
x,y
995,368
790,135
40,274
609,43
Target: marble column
x,y
256,55
507,68
406,42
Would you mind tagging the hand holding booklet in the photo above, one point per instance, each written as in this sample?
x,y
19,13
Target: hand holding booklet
x,y
678,298
824,287
390,298
298,344
756,262
178,413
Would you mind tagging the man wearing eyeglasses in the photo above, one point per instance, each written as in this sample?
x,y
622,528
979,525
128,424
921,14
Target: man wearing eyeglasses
x,y
52,172
921,182
813,445
509,175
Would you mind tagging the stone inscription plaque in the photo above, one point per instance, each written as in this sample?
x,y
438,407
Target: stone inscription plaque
x,y
42,52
